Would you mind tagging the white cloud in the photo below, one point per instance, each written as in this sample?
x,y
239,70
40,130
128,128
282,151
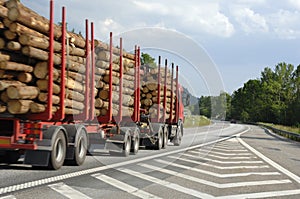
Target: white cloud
x,y
295,3
250,21
197,17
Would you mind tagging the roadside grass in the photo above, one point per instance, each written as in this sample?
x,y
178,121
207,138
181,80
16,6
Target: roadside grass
x,y
284,128
195,121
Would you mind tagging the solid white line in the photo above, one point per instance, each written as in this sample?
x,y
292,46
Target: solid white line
x,y
31,184
221,157
269,161
125,187
167,184
213,184
270,194
68,191
219,167
220,153
231,175
221,162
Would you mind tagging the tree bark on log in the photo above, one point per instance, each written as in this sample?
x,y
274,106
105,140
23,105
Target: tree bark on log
x,y
43,86
21,29
4,98
18,106
38,42
3,11
22,92
43,97
13,46
2,108
40,54
15,66
6,83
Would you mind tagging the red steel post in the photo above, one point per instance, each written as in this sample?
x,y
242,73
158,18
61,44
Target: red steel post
x,y
110,77
87,73
92,101
121,83
177,97
138,82
172,94
165,90
135,85
158,90
61,112
50,63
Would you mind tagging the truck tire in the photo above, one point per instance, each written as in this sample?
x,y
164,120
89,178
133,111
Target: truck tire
x,y
80,148
177,139
126,146
159,142
58,152
135,144
165,139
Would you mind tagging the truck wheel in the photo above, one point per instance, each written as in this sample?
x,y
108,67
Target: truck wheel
x,y
126,147
58,152
81,148
135,145
177,139
165,140
159,142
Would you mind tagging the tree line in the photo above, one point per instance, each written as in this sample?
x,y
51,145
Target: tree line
x,y
272,98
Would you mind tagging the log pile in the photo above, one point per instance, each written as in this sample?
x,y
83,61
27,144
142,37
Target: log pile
x,y
102,84
149,93
24,55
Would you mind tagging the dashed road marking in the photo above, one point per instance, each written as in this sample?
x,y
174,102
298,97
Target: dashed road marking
x,y
220,153
222,157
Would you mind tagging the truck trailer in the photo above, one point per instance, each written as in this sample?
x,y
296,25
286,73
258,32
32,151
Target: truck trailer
x,y
57,132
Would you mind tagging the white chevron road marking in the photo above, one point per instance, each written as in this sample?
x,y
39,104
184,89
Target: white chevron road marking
x,y
220,167
231,175
68,191
222,157
125,187
213,184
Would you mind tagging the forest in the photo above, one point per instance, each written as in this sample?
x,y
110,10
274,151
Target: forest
x,y
274,97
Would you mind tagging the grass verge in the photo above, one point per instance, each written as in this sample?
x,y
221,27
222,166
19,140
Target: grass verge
x,y
283,128
195,121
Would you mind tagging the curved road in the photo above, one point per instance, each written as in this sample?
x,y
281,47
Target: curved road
x,y
218,161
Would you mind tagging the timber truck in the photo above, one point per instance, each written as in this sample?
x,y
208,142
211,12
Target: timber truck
x,y
48,138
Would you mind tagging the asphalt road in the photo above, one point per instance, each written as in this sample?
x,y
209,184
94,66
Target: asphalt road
x,y
218,161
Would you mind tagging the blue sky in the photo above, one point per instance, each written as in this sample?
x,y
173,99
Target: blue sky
x,y
239,37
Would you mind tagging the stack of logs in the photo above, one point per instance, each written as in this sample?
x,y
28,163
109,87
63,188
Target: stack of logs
x,y
24,45
149,93
102,85
24,53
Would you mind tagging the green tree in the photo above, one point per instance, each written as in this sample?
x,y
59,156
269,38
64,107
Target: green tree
x,y
147,61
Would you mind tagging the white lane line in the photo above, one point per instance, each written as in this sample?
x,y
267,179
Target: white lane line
x,y
270,194
220,153
269,161
221,162
213,184
68,191
39,182
167,184
222,157
8,197
123,186
220,167
231,175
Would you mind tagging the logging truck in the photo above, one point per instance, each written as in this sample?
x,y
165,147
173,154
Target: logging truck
x,y
61,93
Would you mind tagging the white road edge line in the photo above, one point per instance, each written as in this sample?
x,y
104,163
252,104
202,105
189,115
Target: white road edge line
x,y
269,161
68,191
214,184
8,197
124,187
39,182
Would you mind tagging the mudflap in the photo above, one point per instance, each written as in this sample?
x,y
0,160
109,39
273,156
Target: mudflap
x,y
37,157
115,143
